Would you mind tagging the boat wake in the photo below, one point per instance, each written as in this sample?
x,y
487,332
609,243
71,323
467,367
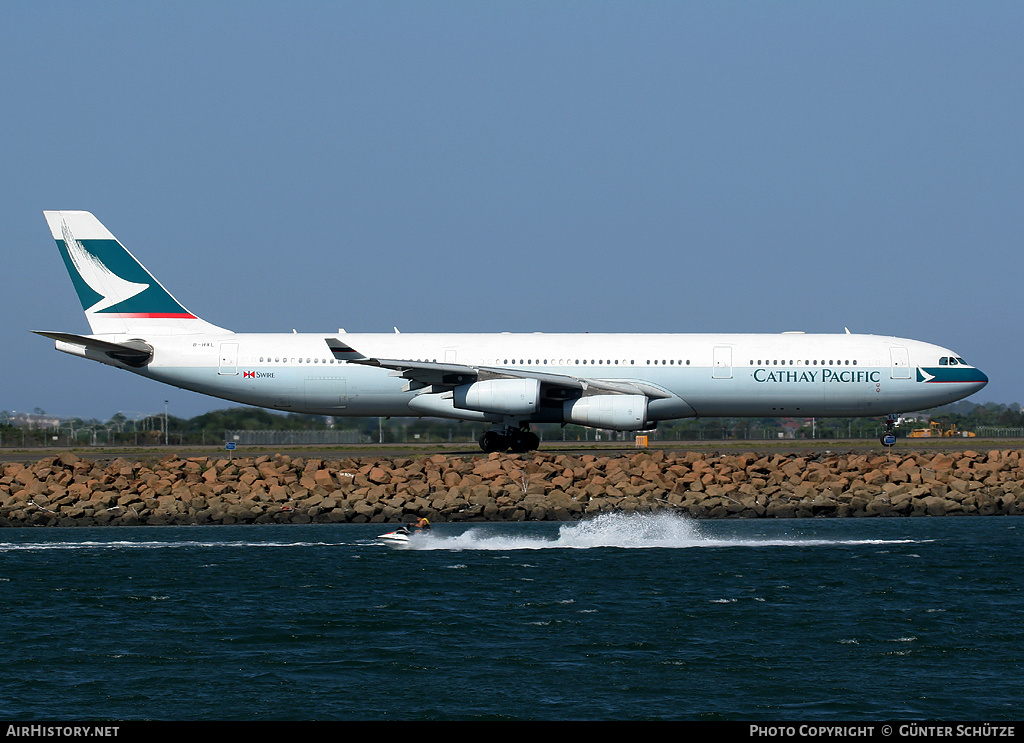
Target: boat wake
x,y
116,545
613,530
623,531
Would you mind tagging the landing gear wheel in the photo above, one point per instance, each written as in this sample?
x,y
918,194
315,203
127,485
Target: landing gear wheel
x,y
517,441
523,441
493,441
889,437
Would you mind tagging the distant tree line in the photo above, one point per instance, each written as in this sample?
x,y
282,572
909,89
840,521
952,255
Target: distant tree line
x,y
989,419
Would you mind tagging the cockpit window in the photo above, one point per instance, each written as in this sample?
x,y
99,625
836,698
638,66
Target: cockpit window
x,y
952,361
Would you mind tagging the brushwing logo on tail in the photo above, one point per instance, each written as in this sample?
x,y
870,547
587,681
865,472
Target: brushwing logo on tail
x,y
111,287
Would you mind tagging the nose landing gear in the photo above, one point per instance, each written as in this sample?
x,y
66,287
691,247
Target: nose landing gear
x,y
888,438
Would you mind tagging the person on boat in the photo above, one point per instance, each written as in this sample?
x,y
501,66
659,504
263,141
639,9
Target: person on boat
x,y
422,524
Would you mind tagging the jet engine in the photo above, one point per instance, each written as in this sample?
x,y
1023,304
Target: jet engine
x,y
502,396
617,412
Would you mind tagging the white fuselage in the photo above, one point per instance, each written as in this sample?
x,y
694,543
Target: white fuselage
x,y
788,374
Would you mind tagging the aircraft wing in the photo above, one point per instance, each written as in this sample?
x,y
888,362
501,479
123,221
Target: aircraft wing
x,y
442,377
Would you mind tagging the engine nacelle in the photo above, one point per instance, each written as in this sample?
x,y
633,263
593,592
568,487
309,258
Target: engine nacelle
x,y
502,396
440,405
617,412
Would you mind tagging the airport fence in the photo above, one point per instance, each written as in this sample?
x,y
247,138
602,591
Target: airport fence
x,y
998,432
295,438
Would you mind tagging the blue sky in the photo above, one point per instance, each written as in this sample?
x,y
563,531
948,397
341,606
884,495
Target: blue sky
x,y
489,166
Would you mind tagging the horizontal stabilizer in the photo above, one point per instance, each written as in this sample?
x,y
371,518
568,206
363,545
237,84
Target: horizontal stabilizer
x,y
135,353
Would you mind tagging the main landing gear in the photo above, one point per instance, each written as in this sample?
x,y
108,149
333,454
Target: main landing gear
x,y
516,440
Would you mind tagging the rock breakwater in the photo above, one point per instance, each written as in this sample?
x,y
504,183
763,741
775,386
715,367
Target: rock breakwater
x,y
66,490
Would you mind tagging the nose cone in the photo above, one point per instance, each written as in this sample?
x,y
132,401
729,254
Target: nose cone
x,y
980,379
950,378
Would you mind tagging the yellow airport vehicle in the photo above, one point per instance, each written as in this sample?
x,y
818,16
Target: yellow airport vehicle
x,y
936,431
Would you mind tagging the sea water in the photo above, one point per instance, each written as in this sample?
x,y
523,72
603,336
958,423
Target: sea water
x,y
615,618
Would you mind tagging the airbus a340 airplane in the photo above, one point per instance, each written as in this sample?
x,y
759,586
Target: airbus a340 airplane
x,y
624,382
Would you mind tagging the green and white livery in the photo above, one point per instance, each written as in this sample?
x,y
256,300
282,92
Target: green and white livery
x,y
625,382
117,293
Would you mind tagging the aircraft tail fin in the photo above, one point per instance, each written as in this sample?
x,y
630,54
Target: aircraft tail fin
x,y
118,294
